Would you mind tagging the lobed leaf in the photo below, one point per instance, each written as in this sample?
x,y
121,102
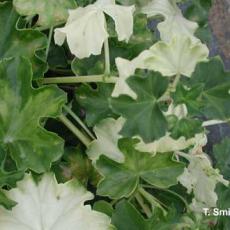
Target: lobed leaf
x,y
21,110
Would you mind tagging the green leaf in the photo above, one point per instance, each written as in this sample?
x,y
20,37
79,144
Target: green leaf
x,y
222,154
126,217
15,42
188,97
148,89
95,102
57,57
198,11
121,180
5,201
9,175
50,12
21,110
88,66
104,207
215,83
186,127
74,164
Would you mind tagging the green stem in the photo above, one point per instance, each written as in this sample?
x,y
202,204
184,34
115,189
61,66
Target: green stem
x,y
107,57
141,202
78,120
49,41
83,138
175,82
78,79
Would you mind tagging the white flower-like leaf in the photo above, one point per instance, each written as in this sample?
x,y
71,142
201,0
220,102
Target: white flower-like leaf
x,y
174,23
179,56
85,29
127,68
168,144
107,132
201,179
51,206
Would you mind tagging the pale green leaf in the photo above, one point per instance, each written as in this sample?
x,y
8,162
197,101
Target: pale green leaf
x,y
23,42
50,12
21,109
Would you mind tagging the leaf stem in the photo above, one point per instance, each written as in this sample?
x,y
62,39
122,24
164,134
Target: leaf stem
x,y
175,82
171,88
141,202
107,57
82,137
152,200
49,41
79,79
169,191
78,120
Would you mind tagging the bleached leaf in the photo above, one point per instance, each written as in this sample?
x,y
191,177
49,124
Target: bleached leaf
x,y
51,206
85,29
174,24
180,111
179,56
107,132
201,179
168,144
127,68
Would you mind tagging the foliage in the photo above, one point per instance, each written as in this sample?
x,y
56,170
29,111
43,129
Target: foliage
x,y
94,103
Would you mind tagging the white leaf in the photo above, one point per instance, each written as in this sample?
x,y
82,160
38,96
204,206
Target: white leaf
x,y
179,56
85,29
126,69
168,144
51,206
201,179
174,23
123,18
107,132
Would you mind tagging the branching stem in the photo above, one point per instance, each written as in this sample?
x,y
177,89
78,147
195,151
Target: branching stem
x,y
82,137
142,204
78,120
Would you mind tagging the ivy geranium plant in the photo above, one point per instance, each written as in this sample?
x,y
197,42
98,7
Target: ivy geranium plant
x,y
104,117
